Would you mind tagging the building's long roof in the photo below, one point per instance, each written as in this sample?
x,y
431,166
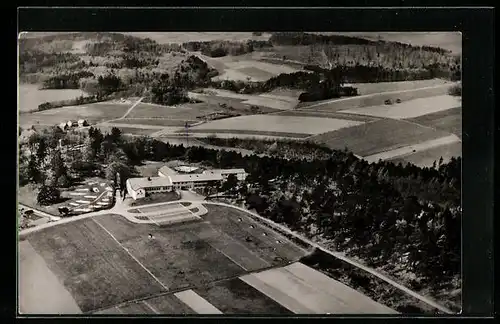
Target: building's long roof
x,y
195,177
137,183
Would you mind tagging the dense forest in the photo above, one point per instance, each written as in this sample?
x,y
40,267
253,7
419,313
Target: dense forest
x,y
132,66
383,213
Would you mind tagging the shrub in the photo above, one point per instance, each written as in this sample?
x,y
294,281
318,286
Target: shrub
x,y
48,195
456,90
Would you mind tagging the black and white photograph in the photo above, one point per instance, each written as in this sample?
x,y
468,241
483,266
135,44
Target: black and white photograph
x,y
239,173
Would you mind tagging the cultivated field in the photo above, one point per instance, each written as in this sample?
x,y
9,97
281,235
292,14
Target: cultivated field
x,y
30,96
241,68
378,136
418,147
154,121
93,267
240,133
94,113
40,291
427,157
449,120
375,99
142,130
274,101
409,109
282,124
325,114
110,266
370,88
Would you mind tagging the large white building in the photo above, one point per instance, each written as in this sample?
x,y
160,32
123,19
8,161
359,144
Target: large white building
x,y
140,187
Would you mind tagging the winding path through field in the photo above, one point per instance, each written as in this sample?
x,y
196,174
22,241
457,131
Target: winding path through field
x,y
120,208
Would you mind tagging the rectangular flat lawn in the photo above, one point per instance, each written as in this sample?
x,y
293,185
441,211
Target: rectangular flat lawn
x,y
96,270
426,158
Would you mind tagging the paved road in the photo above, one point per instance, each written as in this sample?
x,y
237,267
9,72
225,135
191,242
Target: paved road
x,y
275,226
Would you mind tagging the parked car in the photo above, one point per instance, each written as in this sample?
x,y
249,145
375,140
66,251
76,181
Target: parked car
x,y
388,102
398,100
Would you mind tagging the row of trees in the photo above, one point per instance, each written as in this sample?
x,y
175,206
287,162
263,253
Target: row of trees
x,y
301,38
223,48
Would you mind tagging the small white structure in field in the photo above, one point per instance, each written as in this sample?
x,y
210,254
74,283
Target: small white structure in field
x,y
82,123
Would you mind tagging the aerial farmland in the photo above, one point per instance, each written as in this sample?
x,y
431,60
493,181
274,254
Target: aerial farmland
x,y
288,157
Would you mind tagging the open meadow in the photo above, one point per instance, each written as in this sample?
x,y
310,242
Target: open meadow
x,y
426,158
448,120
93,113
409,109
378,136
182,37
278,124
375,99
30,96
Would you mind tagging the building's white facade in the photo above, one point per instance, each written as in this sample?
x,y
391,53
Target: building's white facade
x,y
139,187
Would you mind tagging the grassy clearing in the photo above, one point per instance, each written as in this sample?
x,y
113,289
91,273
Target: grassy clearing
x,y
154,122
149,168
248,133
278,124
40,291
266,247
370,88
30,96
176,256
378,136
448,120
93,267
93,113
409,109
131,130
182,112
427,157
236,297
169,304
321,114
374,99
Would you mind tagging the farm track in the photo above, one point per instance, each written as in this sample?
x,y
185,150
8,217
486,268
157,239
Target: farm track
x,y
283,229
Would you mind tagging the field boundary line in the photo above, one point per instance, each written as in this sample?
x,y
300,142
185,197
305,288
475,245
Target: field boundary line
x,y
150,307
133,257
342,257
227,256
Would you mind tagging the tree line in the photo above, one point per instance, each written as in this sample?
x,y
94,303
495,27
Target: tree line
x,y
218,48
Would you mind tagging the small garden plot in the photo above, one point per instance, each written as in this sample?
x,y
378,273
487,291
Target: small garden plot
x,y
283,124
409,109
378,136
